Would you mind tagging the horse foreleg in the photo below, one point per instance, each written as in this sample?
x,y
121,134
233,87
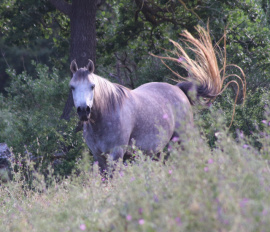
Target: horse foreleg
x,y
116,154
101,160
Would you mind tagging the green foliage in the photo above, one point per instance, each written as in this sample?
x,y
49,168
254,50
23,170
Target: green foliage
x,y
248,119
198,189
31,30
30,118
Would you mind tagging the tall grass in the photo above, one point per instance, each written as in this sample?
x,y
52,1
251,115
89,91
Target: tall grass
x,y
226,188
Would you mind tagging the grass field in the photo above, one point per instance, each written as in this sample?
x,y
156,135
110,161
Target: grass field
x,y
226,188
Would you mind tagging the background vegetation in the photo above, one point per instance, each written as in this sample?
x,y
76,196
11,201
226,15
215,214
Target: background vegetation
x,y
221,178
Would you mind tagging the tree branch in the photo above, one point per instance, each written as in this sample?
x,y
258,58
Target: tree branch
x,y
62,6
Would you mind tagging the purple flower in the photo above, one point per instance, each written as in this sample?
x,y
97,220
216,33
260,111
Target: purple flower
x,y
170,172
129,217
82,226
245,146
121,173
241,134
210,161
155,198
175,139
244,202
264,121
264,212
206,169
132,179
140,211
141,221
165,116
181,59
178,221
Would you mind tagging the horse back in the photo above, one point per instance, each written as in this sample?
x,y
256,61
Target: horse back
x,y
160,108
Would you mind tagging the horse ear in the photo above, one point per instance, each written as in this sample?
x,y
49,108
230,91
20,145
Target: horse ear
x,y
73,66
90,66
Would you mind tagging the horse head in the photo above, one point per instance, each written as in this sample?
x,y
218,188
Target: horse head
x,y
82,88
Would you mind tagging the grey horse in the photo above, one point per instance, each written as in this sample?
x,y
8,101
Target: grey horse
x,y
114,117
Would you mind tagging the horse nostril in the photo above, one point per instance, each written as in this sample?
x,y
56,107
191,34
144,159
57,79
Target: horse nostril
x,y
79,109
88,109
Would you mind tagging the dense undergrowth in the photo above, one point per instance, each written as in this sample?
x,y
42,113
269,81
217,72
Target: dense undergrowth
x,y
225,188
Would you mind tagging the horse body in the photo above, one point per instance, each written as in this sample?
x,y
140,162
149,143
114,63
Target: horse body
x,y
161,108
149,116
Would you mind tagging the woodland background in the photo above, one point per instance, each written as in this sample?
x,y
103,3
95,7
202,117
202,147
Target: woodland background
x,y
217,180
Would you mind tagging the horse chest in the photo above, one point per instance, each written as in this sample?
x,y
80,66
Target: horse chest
x,y
101,138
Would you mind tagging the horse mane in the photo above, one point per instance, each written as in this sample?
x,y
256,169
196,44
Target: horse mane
x,y
108,96
204,69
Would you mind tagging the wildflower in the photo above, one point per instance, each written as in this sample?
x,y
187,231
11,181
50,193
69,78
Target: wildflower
x,y
241,134
129,217
244,202
140,210
141,221
82,226
245,146
170,172
132,179
217,134
178,221
175,139
206,169
264,212
155,198
181,59
210,161
121,173
165,116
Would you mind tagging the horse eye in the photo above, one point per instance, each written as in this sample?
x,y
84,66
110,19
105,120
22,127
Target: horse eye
x,y
92,86
72,87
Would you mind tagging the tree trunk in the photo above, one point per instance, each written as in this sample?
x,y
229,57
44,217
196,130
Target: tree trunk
x,y
82,15
83,31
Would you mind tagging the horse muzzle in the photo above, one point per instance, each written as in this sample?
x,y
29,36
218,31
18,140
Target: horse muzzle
x,y
84,113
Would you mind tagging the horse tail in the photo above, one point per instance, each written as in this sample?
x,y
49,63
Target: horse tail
x,y
195,93
204,75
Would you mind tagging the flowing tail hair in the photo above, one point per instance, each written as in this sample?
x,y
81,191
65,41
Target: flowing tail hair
x,y
205,79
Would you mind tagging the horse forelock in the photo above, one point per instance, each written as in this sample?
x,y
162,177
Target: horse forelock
x,y
81,74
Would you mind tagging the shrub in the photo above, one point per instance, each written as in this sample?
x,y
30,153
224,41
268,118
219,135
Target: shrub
x,y
30,118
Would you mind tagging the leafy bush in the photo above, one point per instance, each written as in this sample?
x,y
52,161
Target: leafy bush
x,y
248,120
30,118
